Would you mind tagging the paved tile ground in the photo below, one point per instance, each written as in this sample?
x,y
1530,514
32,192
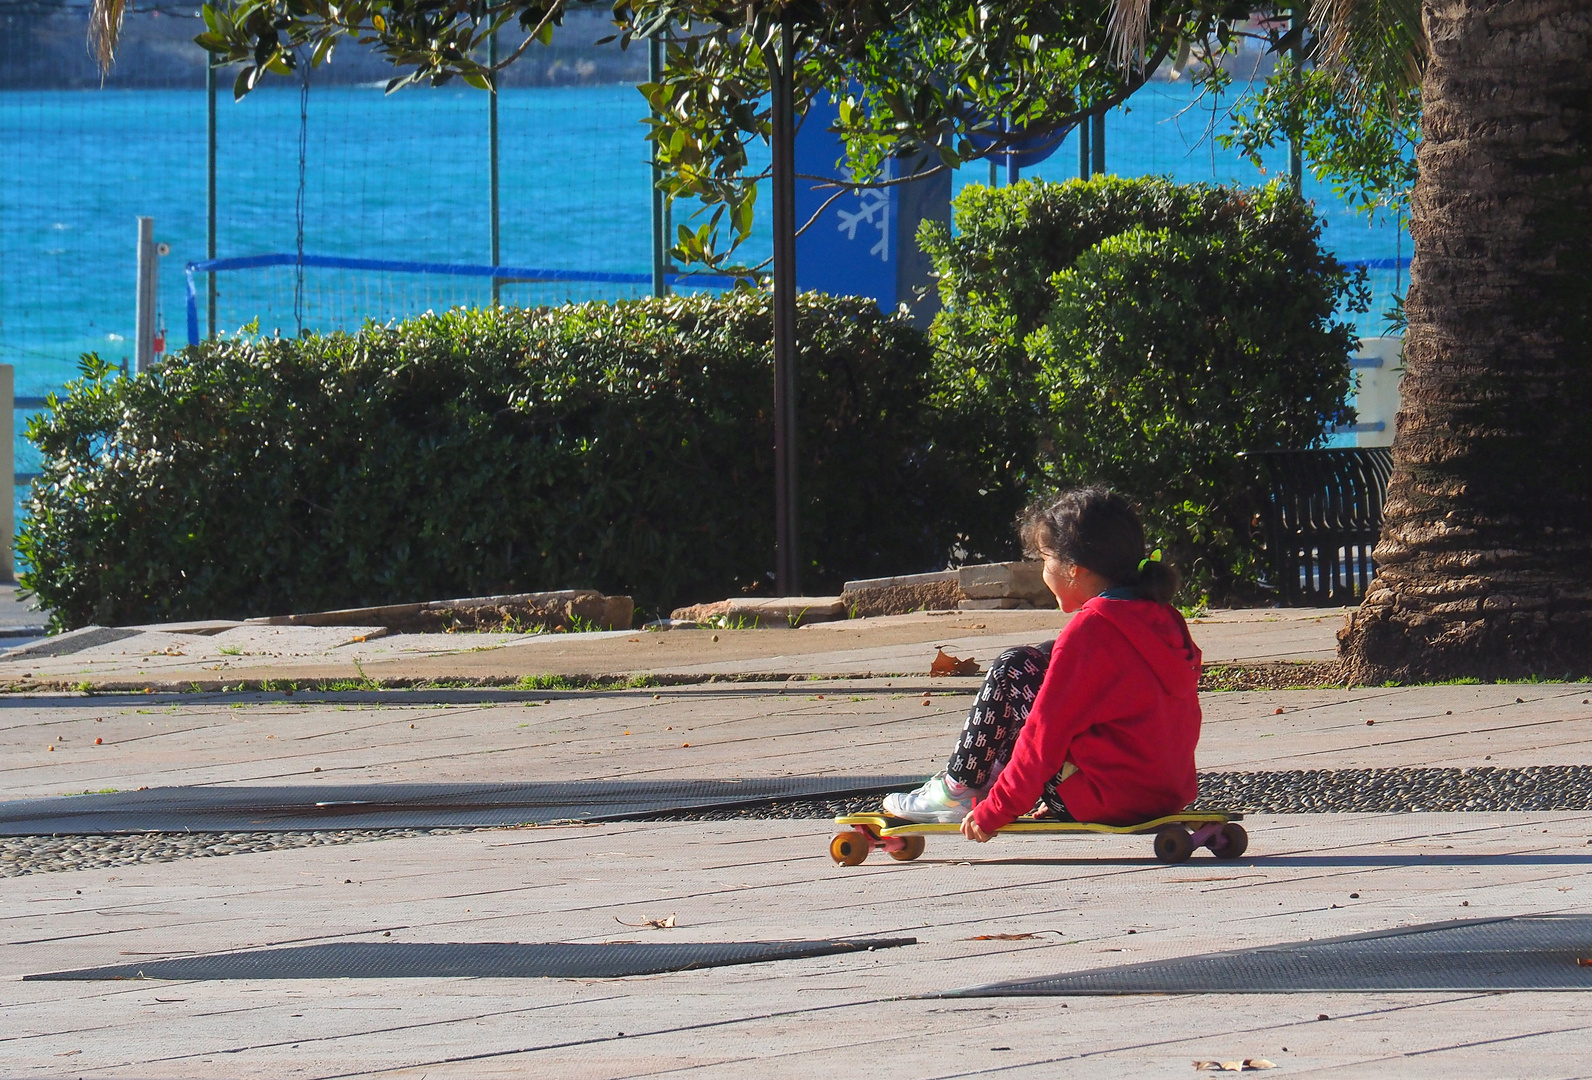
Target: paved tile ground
x,y
47,743
17,613
1089,902
897,645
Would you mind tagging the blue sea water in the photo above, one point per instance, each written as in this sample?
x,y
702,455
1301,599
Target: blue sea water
x,y
404,176
400,177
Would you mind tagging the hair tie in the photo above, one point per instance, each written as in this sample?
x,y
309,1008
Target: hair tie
x,y
1155,556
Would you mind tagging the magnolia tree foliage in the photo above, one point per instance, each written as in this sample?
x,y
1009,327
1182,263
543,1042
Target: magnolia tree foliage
x,y
1364,148
935,82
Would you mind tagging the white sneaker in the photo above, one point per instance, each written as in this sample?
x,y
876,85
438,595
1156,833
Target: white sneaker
x,y
934,802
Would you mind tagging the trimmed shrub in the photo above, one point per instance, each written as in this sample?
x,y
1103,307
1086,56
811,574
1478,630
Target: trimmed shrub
x,y
626,447
1144,334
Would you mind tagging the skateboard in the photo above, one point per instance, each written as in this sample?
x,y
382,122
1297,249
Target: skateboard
x,y
1176,836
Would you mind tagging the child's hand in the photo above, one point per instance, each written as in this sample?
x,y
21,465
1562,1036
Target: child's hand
x,y
971,830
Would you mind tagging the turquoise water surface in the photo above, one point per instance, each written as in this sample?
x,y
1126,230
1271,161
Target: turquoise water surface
x,y
400,177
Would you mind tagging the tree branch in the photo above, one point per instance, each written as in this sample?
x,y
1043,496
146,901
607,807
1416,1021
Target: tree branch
x,y
820,211
859,185
553,9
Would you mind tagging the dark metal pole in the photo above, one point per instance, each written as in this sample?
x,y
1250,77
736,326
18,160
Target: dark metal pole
x,y
1296,168
660,226
1085,162
994,173
492,167
210,195
1097,144
786,576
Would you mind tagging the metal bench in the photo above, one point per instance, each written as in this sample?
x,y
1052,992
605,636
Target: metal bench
x,y
1321,517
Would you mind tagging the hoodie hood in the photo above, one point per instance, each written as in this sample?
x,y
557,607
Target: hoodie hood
x,y
1159,634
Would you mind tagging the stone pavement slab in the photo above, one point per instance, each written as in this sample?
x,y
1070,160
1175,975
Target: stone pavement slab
x,y
717,731
17,613
1088,903
897,645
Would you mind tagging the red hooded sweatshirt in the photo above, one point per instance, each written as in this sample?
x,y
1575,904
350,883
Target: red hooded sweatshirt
x,y
1119,702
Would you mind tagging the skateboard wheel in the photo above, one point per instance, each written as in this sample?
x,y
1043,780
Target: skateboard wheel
x,y
1173,844
850,848
1233,842
914,848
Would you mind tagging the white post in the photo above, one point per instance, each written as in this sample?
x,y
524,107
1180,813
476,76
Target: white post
x,y
1378,368
148,284
8,469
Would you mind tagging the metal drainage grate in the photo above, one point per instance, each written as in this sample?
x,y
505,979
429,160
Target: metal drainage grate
x,y
487,960
410,806
1547,952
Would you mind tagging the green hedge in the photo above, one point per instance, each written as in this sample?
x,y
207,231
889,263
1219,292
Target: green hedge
x,y
1132,331
1144,334
625,447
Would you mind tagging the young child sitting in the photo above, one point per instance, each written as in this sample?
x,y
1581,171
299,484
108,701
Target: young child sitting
x,y
1100,724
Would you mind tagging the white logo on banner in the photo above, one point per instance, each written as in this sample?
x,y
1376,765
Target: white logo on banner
x,y
873,208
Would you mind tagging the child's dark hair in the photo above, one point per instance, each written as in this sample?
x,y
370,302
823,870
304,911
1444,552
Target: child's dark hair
x,y
1099,530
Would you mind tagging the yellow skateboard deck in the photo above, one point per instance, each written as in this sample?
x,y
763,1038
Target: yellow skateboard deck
x,y
1176,835
885,825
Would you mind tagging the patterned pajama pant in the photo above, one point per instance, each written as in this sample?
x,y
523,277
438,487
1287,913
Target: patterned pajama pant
x,y
996,719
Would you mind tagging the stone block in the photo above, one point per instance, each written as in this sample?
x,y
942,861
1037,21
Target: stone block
x,y
619,612
904,581
901,598
775,613
991,581
561,610
999,603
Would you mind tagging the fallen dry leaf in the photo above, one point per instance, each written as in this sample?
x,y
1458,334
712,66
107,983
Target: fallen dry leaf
x,y
1258,1063
946,664
665,923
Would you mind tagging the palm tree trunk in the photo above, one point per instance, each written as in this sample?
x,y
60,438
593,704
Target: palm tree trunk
x,y
1485,559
